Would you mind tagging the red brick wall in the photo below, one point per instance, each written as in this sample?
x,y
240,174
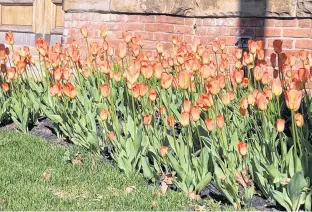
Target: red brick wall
x,y
296,33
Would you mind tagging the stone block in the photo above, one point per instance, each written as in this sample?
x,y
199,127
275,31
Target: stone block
x,y
86,5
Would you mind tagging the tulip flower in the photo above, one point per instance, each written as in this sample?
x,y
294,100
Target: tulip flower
x,y
225,98
195,113
11,73
277,45
5,86
111,136
132,74
184,79
70,90
280,125
126,36
214,87
215,46
185,119
209,124
261,101
103,114
162,110
244,103
147,119
171,121
56,89
238,76
152,94
299,119
277,87
84,31
293,99
103,31
303,55
242,148
252,46
163,151
105,90
122,50
147,71
186,107
158,70
220,121
9,38
251,99
166,80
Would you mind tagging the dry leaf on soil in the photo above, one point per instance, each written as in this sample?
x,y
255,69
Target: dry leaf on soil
x,y
243,179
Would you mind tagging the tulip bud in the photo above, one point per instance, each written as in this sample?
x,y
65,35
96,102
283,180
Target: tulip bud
x,y
5,86
163,151
209,124
185,119
195,113
280,125
242,148
84,31
105,90
220,121
111,136
147,119
299,119
103,114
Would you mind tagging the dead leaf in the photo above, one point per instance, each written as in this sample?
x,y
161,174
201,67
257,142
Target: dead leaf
x,y
243,179
285,181
194,196
63,194
77,159
154,204
46,175
164,187
129,189
2,202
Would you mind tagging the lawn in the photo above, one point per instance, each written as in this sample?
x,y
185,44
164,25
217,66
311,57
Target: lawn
x,y
34,176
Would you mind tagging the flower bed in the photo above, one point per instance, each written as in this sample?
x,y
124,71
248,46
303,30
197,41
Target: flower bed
x,y
182,117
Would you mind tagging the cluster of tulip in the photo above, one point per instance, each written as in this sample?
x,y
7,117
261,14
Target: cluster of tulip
x,y
182,117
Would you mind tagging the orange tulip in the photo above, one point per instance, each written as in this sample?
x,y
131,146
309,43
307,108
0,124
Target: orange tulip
x,y
258,73
265,79
238,53
242,148
225,98
303,75
11,72
186,107
163,151
209,124
238,76
9,38
70,90
84,31
147,119
184,79
277,87
5,86
56,89
111,136
280,125
122,50
195,113
260,45
105,90
204,101
94,48
185,119
299,119
132,74
277,45
147,71
152,94
291,60
139,90
166,80
252,45
171,121
103,114
162,110
160,47
251,99
126,36
215,46
245,82
261,101
244,103
303,55
57,74
243,112
220,121
293,99
214,87
158,70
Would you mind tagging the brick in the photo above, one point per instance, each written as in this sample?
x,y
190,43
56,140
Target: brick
x,y
104,17
297,33
247,31
304,44
150,44
268,32
199,22
304,23
206,39
251,22
145,35
286,23
221,22
229,40
188,38
68,17
287,43
269,22
147,18
159,27
183,29
116,26
162,36
133,18
134,27
201,30
189,21
169,19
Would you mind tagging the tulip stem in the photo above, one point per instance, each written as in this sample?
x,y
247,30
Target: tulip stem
x,y
293,124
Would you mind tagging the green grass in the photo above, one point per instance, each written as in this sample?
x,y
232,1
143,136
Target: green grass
x,y
24,159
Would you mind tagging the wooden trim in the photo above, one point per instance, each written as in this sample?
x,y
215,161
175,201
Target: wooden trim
x,y
16,2
57,30
57,1
15,28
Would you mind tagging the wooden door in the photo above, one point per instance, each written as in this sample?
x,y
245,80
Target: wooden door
x,y
32,16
